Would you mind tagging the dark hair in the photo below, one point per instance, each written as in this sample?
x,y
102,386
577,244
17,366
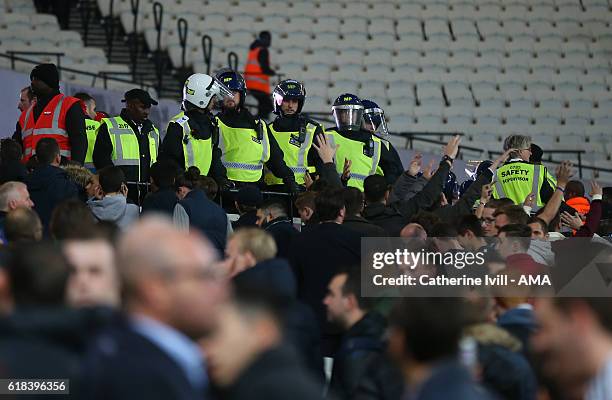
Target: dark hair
x,y
22,225
352,285
111,178
520,232
328,204
574,189
10,150
470,223
306,199
431,327
250,300
71,219
46,151
442,230
32,285
208,186
499,203
374,188
353,200
514,213
426,219
83,96
187,179
164,172
537,220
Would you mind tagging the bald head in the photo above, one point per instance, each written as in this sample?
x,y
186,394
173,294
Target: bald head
x,y
414,231
170,276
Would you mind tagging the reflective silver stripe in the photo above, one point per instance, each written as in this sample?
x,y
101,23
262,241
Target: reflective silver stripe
x,y
56,115
535,185
155,135
359,177
28,152
248,167
54,130
264,143
500,189
299,170
301,164
89,165
116,132
27,132
50,131
375,157
190,160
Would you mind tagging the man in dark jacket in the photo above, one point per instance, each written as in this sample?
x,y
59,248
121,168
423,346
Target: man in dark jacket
x,y
45,90
11,168
362,341
272,217
246,357
154,354
318,253
162,198
49,184
354,203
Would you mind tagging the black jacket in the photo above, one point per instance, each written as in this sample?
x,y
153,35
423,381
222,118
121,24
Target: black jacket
x,y
465,204
123,364
361,344
382,380
206,216
246,220
389,163
276,163
48,186
316,255
283,232
75,127
364,227
163,201
274,375
395,216
202,127
103,150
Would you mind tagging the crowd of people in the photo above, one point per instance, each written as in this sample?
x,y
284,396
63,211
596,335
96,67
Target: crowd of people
x,y
141,264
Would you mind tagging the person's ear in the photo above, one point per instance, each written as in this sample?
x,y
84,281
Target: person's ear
x,y
387,193
351,302
58,158
342,212
12,204
309,212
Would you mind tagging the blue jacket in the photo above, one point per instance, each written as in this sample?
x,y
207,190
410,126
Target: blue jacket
x,y
48,186
520,322
208,217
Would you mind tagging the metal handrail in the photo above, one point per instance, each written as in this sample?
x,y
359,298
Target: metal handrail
x,y
158,18
109,28
232,56
135,4
207,51
58,56
77,71
183,30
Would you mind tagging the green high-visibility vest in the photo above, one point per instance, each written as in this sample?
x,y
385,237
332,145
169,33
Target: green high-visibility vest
x,y
91,129
125,143
196,152
363,165
295,153
244,151
516,180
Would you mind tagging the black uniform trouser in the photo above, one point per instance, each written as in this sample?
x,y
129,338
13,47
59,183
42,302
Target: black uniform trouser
x,y
264,104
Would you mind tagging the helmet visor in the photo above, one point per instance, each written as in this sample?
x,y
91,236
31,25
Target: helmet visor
x,y
348,117
221,90
374,121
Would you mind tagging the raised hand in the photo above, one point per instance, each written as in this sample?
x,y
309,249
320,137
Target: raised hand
x,y
452,147
326,150
564,173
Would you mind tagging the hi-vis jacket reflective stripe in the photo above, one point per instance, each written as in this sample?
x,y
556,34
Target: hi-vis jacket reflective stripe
x,y
516,180
295,153
91,129
243,152
50,124
363,165
254,77
196,152
125,143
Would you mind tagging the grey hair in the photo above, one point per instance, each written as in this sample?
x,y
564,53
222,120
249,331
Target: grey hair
x,y
8,192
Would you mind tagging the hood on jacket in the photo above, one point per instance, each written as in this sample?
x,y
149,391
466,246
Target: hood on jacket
x,y
110,208
489,334
44,177
274,275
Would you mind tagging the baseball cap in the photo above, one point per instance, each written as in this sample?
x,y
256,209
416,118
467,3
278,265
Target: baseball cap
x,y
139,94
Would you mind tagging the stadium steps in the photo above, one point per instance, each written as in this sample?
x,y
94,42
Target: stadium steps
x,y
121,53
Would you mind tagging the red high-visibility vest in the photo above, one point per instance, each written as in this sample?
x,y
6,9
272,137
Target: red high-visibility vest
x,y
50,124
254,77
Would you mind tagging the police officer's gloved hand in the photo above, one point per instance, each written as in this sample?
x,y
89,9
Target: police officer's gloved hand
x,y
292,186
225,184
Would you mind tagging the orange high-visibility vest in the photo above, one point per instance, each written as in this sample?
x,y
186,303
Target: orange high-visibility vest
x,y
254,77
50,124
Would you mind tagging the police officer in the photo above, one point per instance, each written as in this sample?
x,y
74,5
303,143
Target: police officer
x,y
192,138
374,122
88,104
130,141
366,152
293,131
245,142
518,178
